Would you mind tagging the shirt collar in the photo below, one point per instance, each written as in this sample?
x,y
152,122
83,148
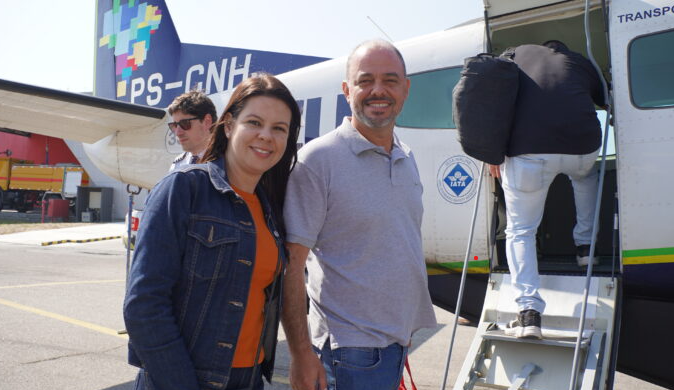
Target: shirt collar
x,y
218,176
360,144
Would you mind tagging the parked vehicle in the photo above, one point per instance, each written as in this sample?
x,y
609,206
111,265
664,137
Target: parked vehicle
x,y
23,185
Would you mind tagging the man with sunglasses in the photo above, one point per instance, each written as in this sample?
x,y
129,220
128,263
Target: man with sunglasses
x,y
193,114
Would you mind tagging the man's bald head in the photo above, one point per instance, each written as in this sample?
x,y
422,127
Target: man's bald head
x,y
373,44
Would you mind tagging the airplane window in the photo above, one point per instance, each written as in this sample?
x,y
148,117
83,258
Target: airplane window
x,y
651,60
429,105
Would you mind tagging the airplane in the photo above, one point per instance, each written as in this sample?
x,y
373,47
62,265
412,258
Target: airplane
x,y
124,131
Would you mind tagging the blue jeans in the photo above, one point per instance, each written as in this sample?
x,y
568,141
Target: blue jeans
x,y
239,379
357,368
525,181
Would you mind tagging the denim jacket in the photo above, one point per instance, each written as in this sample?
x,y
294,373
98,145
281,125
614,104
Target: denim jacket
x,y
189,280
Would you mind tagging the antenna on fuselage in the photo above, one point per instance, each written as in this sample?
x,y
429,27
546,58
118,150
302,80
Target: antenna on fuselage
x,y
380,29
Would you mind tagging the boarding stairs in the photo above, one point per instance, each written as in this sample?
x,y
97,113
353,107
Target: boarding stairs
x,y
579,328
498,361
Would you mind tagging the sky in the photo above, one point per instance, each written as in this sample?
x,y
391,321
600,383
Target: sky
x,y
51,43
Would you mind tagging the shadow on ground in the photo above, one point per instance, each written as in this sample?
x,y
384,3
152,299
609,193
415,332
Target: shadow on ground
x,y
123,386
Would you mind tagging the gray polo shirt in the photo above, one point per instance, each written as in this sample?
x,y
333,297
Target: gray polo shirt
x,y
359,209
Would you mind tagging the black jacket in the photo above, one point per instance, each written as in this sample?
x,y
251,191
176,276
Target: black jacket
x,y
556,101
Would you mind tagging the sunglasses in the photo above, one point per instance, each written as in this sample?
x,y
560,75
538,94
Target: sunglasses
x,y
184,124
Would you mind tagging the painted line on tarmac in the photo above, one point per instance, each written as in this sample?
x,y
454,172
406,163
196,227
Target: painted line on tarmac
x,y
62,283
88,325
281,379
46,243
59,317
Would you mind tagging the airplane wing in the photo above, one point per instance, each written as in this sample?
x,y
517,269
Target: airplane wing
x,y
69,115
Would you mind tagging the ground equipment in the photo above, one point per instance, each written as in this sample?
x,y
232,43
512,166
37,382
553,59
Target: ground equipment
x,y
23,185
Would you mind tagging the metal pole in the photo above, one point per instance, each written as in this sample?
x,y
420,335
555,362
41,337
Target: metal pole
x,y
588,275
128,239
128,228
595,224
459,300
128,236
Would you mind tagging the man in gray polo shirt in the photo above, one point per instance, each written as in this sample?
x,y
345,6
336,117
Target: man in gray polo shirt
x,y
354,200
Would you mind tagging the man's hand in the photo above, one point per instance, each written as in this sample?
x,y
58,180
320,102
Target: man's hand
x,y
307,372
494,171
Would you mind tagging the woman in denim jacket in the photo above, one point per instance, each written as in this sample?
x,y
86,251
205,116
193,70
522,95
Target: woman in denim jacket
x,y
203,297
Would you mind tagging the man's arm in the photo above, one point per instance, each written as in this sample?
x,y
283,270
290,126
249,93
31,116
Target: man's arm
x,y
306,370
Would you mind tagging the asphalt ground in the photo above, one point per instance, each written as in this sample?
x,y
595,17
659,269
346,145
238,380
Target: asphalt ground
x,y
60,310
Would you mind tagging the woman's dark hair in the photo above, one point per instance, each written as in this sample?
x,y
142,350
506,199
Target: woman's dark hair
x,y
275,180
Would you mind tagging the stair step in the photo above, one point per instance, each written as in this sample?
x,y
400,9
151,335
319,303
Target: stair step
x,y
548,339
496,361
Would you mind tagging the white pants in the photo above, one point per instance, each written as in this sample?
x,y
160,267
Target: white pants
x,y
525,181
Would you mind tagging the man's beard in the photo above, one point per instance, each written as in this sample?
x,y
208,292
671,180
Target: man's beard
x,y
359,113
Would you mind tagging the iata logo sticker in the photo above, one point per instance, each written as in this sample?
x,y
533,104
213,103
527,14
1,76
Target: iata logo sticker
x,y
456,179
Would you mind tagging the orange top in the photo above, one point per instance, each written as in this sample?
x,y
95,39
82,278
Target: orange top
x,y
266,258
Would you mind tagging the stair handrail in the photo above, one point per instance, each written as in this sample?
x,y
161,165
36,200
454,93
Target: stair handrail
x,y
595,222
459,299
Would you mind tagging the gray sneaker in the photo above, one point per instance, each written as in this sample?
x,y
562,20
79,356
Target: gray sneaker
x,y
527,325
583,256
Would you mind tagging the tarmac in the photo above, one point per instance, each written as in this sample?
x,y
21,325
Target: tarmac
x,y
429,346
428,350
78,234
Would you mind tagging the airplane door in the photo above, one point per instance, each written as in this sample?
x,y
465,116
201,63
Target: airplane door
x,y
642,35
644,113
